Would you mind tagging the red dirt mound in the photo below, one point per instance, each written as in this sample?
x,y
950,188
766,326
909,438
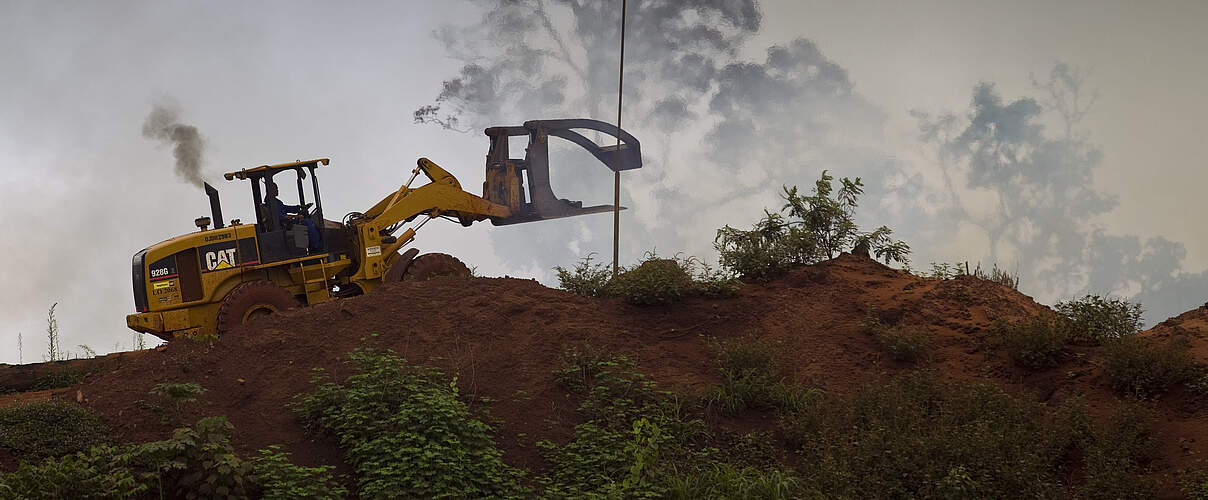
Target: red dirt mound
x,y
503,338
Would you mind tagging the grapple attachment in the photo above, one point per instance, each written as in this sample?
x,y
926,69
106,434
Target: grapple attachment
x,y
505,176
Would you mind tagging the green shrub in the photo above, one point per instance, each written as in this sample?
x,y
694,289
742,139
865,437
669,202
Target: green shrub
x,y
1145,367
630,435
198,462
653,281
279,479
65,378
49,429
1098,318
104,472
195,463
817,227
586,279
750,372
1037,342
172,396
723,481
404,430
903,343
920,437
1117,454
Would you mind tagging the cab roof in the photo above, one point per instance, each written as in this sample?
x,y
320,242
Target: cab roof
x,y
244,173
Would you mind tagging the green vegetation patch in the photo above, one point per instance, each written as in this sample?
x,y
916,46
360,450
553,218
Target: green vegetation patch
x,y
406,432
652,281
903,343
49,428
919,437
750,372
1145,367
1096,319
280,479
807,229
1037,342
196,462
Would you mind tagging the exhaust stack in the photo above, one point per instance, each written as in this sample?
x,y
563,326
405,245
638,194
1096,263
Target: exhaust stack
x,y
215,205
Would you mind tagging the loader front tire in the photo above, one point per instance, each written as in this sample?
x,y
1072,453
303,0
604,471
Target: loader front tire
x,y
431,265
252,300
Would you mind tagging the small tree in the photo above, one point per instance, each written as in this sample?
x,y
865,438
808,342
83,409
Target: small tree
x,y
808,229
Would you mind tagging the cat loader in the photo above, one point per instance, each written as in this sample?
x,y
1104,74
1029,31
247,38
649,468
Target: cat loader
x,y
210,281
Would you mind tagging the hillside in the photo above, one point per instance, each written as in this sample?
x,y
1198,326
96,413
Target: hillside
x,y
504,338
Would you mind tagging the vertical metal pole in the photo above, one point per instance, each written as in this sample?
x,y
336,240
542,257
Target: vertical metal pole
x,y
616,179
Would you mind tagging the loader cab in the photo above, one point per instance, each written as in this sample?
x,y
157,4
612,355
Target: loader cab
x,y
280,239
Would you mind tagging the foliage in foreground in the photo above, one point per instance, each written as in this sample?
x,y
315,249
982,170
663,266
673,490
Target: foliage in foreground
x,y
638,442
280,479
1097,318
196,462
653,281
49,429
404,430
918,437
806,230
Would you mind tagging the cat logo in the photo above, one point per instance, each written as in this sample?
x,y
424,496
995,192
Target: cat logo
x,y
221,259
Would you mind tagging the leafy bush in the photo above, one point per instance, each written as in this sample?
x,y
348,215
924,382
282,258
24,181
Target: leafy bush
x,y
49,429
723,481
630,435
104,472
173,396
920,437
404,430
653,281
903,344
1145,367
1100,318
65,378
586,279
280,479
750,379
198,462
195,463
1037,342
817,227
1117,453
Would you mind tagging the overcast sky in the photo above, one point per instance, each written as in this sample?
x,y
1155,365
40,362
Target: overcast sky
x,y
81,189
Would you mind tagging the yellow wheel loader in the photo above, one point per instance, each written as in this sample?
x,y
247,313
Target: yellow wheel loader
x,y
210,281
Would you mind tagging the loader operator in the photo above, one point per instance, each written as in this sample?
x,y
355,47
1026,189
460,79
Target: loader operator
x,y
275,206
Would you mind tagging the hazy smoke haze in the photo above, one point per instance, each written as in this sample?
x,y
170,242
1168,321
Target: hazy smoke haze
x,y
1009,181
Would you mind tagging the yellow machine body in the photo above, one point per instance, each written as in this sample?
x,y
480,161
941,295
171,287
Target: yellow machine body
x,y
201,283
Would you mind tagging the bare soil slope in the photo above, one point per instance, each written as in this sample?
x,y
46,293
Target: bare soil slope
x,y
503,338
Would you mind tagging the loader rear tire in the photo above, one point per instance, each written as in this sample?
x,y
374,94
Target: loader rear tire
x,y
431,265
252,300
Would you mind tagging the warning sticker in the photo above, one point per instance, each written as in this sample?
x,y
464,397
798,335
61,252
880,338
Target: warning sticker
x,y
163,284
373,251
